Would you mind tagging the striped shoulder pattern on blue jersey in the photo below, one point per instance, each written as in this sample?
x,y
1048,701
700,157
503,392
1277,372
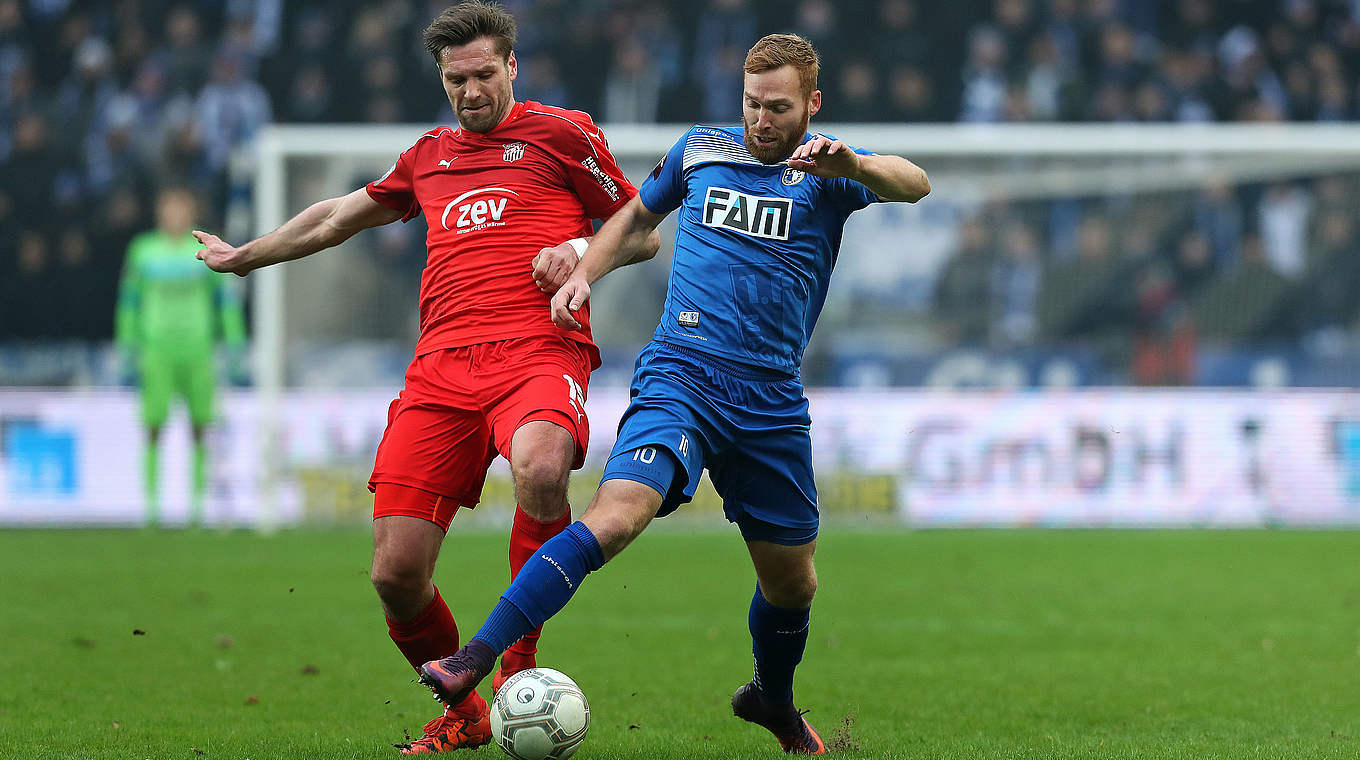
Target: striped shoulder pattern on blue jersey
x,y
709,144
754,248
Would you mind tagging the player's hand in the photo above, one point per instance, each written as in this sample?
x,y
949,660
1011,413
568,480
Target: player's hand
x,y
568,300
552,266
221,256
824,157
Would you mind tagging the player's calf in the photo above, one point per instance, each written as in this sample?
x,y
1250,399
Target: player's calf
x,y
621,510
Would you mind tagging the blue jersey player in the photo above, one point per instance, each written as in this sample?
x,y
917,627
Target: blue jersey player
x,y
761,208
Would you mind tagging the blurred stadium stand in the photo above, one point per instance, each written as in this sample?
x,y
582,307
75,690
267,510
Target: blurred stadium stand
x,y
1245,283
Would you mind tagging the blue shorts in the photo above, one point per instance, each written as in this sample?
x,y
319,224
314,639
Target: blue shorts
x,y
750,428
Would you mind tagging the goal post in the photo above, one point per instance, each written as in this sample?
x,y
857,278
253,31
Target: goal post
x,y
315,327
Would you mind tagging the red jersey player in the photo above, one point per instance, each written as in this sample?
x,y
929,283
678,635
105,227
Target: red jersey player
x,y
492,374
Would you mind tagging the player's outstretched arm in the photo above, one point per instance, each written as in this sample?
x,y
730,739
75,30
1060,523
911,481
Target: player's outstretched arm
x,y
628,237
322,225
892,178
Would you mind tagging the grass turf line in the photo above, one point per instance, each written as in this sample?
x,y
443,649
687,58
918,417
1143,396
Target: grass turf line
x,y
985,644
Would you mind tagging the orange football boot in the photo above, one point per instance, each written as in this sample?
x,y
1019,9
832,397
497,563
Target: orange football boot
x,y
467,727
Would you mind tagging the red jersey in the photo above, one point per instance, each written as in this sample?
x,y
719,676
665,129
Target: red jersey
x,y
491,202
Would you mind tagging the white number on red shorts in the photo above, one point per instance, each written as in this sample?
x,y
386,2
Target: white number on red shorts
x,y
576,396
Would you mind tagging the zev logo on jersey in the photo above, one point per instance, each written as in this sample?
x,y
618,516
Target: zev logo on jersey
x,y
748,214
477,213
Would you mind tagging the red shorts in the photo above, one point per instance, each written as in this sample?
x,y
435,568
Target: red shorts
x,y
460,408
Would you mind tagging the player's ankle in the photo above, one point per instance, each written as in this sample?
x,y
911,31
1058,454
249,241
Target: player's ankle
x,y
479,656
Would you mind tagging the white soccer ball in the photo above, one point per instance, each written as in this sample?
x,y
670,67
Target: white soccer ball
x,y
539,714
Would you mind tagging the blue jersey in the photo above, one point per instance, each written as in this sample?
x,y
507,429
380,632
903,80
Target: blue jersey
x,y
753,251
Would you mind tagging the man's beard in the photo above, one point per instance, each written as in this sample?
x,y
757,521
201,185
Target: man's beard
x,y
482,121
777,151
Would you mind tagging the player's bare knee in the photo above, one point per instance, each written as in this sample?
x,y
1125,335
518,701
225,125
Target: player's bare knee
x,y
543,472
544,502
794,591
804,590
387,585
398,583
541,488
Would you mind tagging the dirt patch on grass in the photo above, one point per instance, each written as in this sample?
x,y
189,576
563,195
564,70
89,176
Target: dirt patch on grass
x,y
844,740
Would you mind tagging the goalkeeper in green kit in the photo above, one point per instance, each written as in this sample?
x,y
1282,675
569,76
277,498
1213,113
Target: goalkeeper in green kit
x,y
172,312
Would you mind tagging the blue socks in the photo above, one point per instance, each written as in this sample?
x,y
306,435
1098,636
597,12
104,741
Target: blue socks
x,y
543,586
500,626
550,578
778,637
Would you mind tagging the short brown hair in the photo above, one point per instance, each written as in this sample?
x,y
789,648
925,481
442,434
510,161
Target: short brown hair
x,y
775,50
462,23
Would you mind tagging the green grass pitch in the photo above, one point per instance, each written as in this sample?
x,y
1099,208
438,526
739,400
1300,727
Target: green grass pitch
x,y
934,644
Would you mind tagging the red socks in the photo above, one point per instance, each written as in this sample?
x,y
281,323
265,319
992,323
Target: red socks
x,y
433,633
428,636
526,537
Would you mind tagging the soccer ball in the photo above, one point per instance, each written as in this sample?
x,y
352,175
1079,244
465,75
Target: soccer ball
x,y
539,714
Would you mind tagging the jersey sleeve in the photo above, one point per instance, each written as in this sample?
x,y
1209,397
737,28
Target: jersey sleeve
x,y
396,188
849,194
664,189
592,172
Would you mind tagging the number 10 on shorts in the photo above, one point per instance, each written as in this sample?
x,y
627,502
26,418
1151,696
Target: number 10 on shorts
x,y
645,455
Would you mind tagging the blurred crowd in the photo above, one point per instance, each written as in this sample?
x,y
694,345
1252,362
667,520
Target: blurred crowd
x,y
1144,283
102,102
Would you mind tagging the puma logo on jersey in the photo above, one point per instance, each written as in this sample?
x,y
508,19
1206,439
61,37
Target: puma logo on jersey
x,y
480,213
748,214
445,162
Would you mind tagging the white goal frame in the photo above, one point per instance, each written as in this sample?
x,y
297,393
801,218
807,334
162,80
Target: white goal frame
x,y
1308,146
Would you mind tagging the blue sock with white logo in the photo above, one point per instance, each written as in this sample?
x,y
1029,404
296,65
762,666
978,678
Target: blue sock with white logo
x,y
543,586
778,637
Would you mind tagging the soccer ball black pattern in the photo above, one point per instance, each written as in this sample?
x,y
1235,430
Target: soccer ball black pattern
x,y
539,714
